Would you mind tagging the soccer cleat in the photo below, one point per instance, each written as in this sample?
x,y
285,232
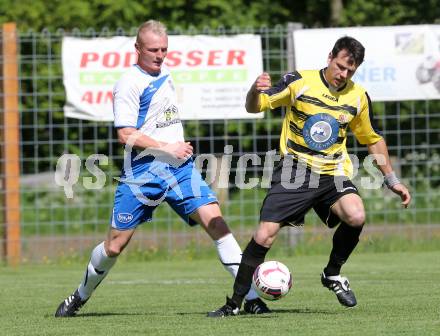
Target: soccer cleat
x,y
256,306
341,287
229,309
70,305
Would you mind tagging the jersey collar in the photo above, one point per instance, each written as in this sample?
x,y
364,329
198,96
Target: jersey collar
x,y
324,81
147,73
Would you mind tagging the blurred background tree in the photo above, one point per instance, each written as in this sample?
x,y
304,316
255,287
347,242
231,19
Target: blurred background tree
x,y
83,14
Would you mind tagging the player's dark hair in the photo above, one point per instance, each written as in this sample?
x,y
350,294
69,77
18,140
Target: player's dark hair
x,y
353,46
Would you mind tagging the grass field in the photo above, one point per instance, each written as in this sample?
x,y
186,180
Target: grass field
x,y
398,294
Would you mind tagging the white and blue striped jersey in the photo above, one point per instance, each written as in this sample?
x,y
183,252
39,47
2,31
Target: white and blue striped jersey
x,y
148,103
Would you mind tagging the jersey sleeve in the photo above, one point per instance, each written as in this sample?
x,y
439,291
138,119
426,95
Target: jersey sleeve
x,y
126,98
363,125
281,94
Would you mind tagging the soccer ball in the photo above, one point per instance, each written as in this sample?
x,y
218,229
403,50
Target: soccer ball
x,y
272,280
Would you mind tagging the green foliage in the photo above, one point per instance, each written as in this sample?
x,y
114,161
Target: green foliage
x,y
97,14
389,12
83,14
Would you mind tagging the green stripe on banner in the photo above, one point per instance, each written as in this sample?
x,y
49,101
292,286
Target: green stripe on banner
x,y
99,77
179,76
209,76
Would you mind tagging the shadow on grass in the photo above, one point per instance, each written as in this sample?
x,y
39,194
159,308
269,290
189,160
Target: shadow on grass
x,y
303,311
274,313
111,314
98,315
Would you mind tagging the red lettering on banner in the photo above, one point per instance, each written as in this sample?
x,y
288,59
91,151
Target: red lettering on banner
x,y
97,97
213,56
87,97
88,57
173,58
235,55
130,59
111,59
194,58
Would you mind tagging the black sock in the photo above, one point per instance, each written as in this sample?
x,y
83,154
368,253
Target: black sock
x,y
253,255
345,239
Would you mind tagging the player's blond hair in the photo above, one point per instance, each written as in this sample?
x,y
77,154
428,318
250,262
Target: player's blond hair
x,y
153,26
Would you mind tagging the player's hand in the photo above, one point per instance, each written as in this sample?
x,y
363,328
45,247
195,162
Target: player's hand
x,y
403,192
178,150
263,82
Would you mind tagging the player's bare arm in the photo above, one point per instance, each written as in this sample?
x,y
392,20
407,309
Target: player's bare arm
x,y
380,148
131,136
262,83
179,150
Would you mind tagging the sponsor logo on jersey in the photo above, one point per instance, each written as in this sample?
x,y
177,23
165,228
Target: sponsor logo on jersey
x,y
343,119
170,113
167,123
320,131
151,88
125,217
171,116
335,99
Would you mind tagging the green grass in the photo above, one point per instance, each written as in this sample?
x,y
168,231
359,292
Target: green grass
x,y
398,294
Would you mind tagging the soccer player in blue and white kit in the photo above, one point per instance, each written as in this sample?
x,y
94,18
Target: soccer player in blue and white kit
x,y
157,167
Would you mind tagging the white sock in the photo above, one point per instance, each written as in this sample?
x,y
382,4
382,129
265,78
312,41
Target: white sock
x,y
96,271
230,255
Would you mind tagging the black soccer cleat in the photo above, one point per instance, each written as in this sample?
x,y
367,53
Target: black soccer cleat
x,y
229,309
70,305
256,306
341,287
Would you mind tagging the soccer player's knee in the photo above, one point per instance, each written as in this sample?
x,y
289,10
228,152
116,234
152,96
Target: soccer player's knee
x,y
356,219
264,238
218,226
114,249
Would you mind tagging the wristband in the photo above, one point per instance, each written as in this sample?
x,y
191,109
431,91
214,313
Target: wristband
x,y
391,179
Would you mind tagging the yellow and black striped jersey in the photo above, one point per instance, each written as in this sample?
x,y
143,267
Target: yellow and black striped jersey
x,y
315,126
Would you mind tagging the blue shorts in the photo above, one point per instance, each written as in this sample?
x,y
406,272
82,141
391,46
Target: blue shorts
x,y
183,188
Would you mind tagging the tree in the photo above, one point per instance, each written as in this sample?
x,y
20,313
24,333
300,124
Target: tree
x,y
97,14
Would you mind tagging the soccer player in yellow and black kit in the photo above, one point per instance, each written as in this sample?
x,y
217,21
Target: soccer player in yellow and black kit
x,y
315,168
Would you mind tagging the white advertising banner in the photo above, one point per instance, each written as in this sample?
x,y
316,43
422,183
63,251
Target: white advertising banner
x,y
212,74
401,62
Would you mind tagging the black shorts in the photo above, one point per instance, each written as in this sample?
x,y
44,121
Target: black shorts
x,y
295,190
